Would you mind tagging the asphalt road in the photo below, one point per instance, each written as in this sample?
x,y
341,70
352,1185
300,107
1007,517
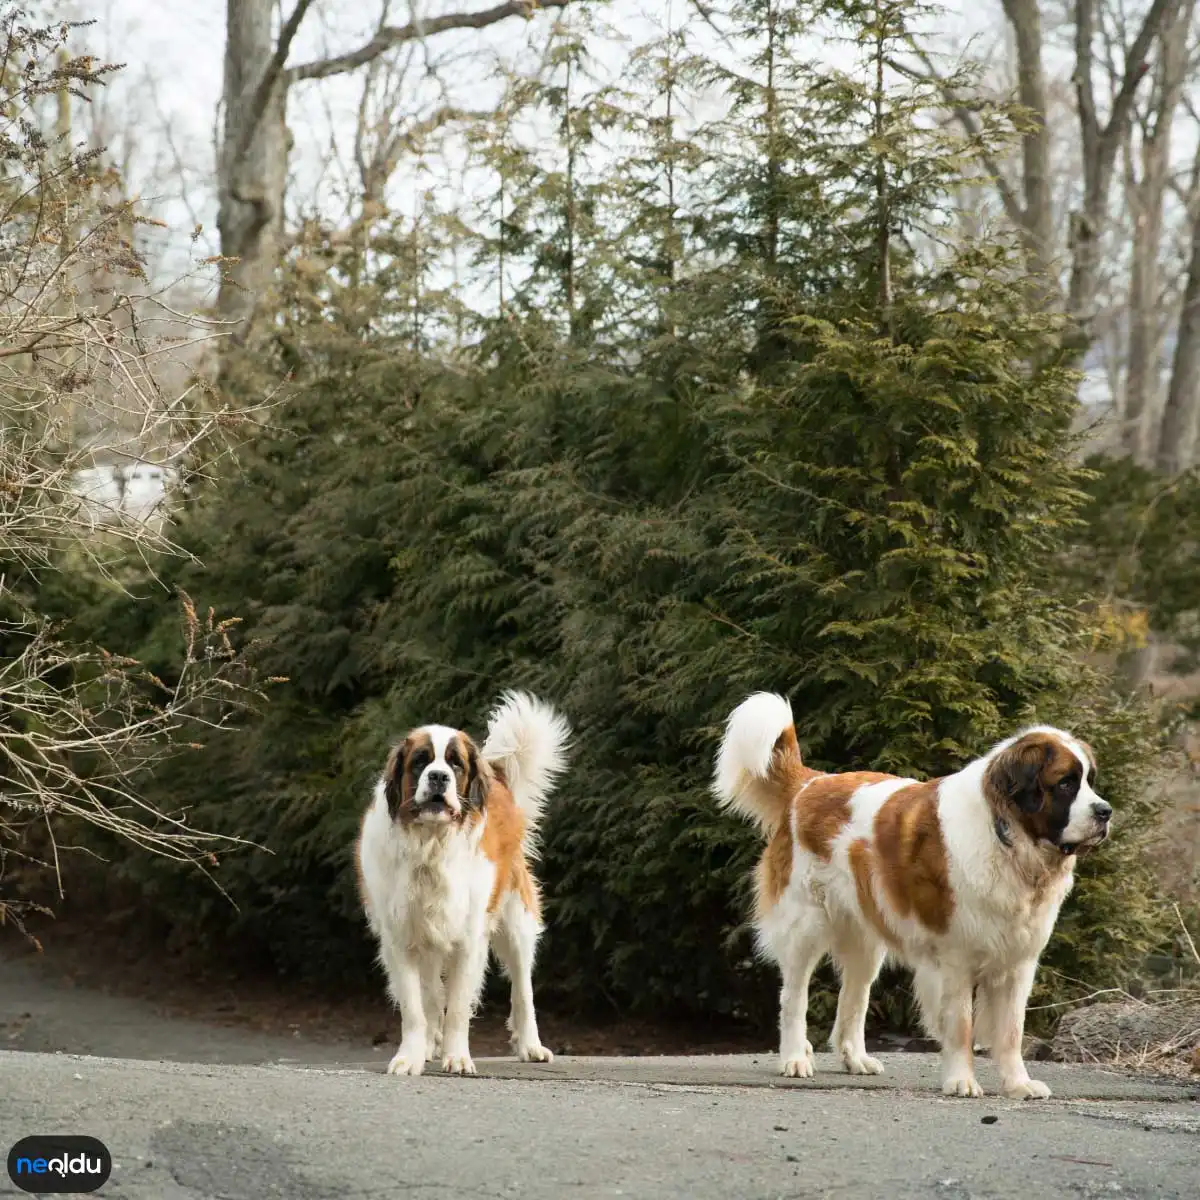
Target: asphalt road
x,y
255,1127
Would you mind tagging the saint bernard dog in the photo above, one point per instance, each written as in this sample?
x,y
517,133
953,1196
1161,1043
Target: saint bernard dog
x,y
443,861
959,878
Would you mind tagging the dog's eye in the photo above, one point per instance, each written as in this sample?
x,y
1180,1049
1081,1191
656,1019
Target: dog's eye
x,y
1067,785
419,760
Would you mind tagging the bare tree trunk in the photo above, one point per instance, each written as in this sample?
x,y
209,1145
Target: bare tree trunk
x,y
1147,199
252,167
1037,222
1177,433
882,192
252,162
1100,144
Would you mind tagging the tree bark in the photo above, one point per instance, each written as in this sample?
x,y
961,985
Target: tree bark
x,y
1147,201
1100,144
1038,211
252,163
253,157
1177,433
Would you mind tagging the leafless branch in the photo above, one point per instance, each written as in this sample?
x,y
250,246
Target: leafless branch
x,y
97,374
393,35
177,162
1136,66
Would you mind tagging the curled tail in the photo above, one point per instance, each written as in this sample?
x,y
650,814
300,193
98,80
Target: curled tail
x,y
527,739
759,768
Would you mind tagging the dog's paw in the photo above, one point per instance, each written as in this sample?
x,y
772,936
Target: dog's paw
x,y
862,1064
1027,1089
797,1068
534,1053
405,1062
458,1064
963,1085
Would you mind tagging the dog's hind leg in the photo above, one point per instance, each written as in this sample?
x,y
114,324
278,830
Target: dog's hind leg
x,y
927,987
859,958
798,949
515,944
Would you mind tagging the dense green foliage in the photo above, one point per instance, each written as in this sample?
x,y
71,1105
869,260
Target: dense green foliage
x,y
708,446
1141,554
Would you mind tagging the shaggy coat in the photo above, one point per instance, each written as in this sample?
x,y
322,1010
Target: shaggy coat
x,y
960,878
443,861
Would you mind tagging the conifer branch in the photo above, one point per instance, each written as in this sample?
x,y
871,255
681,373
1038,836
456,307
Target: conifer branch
x,y
1013,209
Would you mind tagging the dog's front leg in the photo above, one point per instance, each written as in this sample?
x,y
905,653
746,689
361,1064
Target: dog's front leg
x,y
433,994
956,1031
404,984
1007,996
464,981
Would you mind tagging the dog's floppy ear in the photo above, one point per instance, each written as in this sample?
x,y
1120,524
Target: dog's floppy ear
x,y
1016,773
393,778
1092,763
479,777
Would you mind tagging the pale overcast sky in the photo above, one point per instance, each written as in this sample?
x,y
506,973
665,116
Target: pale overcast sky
x,y
162,107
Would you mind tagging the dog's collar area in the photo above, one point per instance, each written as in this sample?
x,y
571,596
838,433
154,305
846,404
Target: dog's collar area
x,y
1002,832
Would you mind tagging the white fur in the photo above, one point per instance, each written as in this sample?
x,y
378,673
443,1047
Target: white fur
x,y
744,758
1006,902
528,741
426,888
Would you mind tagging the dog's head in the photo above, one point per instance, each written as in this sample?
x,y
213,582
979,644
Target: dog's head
x,y
435,776
1044,780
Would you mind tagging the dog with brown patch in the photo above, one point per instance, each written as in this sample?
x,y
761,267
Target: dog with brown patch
x,y
959,878
443,860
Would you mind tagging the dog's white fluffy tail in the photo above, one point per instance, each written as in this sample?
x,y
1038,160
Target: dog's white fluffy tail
x,y
759,768
528,740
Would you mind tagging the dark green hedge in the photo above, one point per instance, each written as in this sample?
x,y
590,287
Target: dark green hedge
x,y
702,451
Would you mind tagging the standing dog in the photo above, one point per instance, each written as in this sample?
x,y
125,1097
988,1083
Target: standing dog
x,y
443,868
960,878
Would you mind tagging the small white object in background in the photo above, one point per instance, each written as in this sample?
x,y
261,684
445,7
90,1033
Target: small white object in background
x,y
124,490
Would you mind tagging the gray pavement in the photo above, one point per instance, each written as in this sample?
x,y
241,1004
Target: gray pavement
x,y
241,1116
191,1131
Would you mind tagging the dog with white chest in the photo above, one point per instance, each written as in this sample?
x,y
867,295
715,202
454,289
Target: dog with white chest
x,y
443,860
960,878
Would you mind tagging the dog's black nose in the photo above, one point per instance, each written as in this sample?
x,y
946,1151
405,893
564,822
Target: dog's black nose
x,y
1102,809
437,781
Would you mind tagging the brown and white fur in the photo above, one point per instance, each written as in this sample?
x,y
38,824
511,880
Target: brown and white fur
x,y
443,862
960,878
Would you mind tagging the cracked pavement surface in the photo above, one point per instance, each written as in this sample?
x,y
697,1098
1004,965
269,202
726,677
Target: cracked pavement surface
x,y
244,1116
600,1127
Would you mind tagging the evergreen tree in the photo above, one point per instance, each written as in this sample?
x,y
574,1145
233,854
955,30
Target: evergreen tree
x,y
748,416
